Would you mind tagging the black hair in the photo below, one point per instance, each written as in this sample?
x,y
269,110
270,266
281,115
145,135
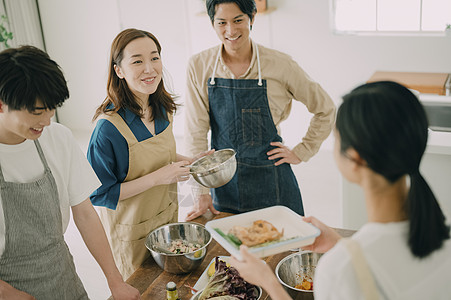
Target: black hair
x,y
387,125
27,74
246,6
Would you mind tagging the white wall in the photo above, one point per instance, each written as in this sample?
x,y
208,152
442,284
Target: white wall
x,y
78,35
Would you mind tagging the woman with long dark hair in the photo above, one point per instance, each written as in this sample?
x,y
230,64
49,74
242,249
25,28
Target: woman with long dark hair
x,y
404,250
133,151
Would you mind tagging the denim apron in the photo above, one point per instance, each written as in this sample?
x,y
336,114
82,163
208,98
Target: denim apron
x,y
240,119
36,259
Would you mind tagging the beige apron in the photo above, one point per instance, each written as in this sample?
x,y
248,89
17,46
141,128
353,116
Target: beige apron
x,y
134,217
362,270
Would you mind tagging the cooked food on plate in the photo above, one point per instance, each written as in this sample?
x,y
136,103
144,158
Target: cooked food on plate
x,y
226,283
181,246
260,232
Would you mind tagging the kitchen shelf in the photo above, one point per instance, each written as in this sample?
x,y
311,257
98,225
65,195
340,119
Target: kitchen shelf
x,y
425,83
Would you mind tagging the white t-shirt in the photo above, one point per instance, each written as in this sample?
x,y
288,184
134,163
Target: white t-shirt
x,y
397,273
73,174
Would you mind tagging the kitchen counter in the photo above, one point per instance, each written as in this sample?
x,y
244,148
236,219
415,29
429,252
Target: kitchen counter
x,y
439,142
151,280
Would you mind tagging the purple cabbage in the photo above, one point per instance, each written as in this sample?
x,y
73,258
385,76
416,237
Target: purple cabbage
x,y
227,283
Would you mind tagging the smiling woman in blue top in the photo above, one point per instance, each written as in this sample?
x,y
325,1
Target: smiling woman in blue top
x,y
133,151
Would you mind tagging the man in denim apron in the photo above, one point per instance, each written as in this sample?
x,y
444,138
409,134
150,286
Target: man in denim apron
x,y
242,91
240,119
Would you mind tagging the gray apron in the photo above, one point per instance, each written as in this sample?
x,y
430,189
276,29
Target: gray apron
x,y
36,259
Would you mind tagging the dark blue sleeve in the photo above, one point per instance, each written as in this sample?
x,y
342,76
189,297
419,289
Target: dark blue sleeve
x,y
108,156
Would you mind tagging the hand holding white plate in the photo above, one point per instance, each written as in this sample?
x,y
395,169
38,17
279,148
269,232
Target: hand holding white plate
x,y
296,232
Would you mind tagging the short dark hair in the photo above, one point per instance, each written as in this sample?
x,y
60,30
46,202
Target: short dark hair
x,y
27,74
246,6
387,125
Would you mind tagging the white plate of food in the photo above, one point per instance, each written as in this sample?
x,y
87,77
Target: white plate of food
x,y
266,231
239,286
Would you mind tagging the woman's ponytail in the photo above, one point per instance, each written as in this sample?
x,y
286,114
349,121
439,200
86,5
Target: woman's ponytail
x,y
380,120
428,229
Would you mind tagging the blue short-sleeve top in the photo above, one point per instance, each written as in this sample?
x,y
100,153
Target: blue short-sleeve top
x,y
108,154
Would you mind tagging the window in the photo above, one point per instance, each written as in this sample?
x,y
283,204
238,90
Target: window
x,y
390,16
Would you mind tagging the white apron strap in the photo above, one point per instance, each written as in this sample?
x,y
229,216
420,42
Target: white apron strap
x,y
212,80
362,270
260,83
258,64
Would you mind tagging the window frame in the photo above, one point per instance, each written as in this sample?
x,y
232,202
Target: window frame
x,y
410,33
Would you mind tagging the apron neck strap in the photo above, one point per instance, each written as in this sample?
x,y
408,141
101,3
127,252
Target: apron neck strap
x,y
362,270
260,83
212,81
258,65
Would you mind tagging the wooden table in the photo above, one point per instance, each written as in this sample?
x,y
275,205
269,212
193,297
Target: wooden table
x,y
151,280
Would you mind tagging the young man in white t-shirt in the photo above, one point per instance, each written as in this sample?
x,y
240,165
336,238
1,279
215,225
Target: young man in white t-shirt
x,y
43,172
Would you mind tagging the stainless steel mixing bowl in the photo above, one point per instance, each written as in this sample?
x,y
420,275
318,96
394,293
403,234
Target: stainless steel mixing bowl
x,y
293,268
216,169
159,240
